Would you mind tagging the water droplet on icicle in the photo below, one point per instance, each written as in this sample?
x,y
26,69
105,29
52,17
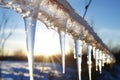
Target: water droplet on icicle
x,y
30,26
78,50
62,46
89,62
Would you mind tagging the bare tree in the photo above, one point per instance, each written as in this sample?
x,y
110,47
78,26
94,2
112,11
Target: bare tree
x,y
3,34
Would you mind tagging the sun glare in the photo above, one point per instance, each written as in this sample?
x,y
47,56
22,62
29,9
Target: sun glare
x,y
46,41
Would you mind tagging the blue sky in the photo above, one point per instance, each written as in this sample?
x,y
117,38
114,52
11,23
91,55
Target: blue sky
x,y
104,14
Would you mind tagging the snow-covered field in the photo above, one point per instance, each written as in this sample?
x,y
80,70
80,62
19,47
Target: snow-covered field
x,y
17,70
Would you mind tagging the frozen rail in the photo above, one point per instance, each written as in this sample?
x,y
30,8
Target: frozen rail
x,y
60,16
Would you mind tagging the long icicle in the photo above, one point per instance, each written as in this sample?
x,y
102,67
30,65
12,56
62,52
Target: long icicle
x,y
89,62
30,26
93,52
62,46
100,62
78,50
96,58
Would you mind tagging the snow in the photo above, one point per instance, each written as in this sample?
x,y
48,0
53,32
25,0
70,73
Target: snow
x,y
18,70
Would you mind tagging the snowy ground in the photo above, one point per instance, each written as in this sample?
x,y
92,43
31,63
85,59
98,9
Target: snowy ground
x,y
18,70
11,70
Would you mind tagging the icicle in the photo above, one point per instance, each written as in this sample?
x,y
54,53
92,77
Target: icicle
x,y
96,59
89,62
75,47
75,56
62,46
94,52
108,59
78,49
103,59
100,62
30,26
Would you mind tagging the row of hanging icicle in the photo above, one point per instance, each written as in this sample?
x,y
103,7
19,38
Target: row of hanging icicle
x,y
30,26
100,57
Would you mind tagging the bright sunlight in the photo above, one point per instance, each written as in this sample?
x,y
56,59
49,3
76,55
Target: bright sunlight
x,y
47,41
